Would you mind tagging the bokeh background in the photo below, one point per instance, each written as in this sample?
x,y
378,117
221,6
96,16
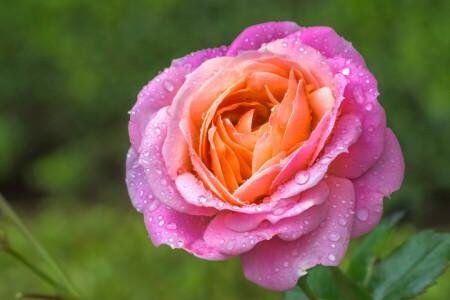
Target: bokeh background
x,y
70,71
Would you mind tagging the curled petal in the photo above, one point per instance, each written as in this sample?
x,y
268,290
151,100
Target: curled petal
x,y
179,230
345,134
160,91
138,189
159,181
326,40
385,177
253,37
276,264
361,99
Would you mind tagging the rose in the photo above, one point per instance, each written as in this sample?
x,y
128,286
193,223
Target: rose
x,y
274,148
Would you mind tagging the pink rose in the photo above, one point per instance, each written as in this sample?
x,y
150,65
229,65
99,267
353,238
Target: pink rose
x,y
274,148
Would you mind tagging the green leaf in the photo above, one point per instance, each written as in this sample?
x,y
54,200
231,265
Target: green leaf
x,y
295,294
364,255
332,284
412,267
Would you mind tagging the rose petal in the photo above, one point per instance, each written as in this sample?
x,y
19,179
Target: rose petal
x,y
253,37
385,177
175,150
325,40
345,134
307,153
160,91
178,230
230,242
277,264
138,189
159,181
361,99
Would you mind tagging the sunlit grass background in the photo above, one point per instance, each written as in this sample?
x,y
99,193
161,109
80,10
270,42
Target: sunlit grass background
x,y
70,70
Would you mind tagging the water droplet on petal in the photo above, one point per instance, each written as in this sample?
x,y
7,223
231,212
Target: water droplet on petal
x,y
302,177
378,208
342,222
171,226
168,85
369,106
331,257
334,236
345,71
230,245
201,199
161,223
363,214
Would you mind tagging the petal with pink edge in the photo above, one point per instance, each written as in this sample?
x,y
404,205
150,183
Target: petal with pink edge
x,y
230,242
326,40
345,134
253,37
138,189
277,264
178,230
159,181
385,177
160,91
361,99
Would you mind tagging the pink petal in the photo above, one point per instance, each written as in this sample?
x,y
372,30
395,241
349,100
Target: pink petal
x,y
178,230
325,40
160,91
253,37
138,189
277,264
236,232
233,243
160,183
361,99
385,177
345,134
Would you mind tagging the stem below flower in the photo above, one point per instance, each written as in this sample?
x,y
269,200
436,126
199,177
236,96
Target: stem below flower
x,y
343,283
32,267
14,218
302,283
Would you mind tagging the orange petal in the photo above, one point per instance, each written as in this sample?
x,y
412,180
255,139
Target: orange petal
x,y
272,162
257,186
228,174
298,127
263,151
256,84
245,122
321,102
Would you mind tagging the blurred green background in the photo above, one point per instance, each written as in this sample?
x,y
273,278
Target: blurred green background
x,y
70,70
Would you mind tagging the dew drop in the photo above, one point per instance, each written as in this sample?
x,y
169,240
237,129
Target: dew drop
x,y
334,236
342,222
363,214
161,223
331,257
230,245
369,106
378,208
201,199
345,71
171,226
286,264
168,85
302,177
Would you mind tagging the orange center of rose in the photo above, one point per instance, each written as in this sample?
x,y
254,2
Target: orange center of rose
x,y
260,120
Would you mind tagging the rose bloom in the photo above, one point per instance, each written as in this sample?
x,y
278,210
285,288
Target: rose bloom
x,y
274,149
